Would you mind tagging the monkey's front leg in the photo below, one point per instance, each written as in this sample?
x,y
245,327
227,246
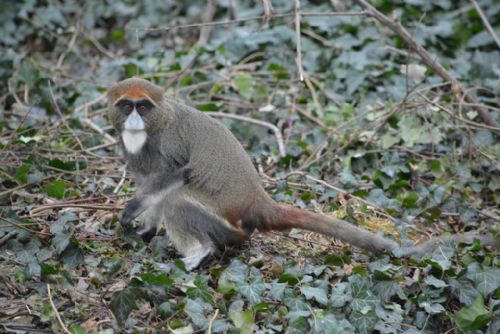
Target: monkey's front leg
x,y
151,192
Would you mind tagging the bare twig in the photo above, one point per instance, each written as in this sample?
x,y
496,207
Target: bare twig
x,y
8,236
122,181
274,128
321,39
205,31
19,226
71,45
298,57
38,210
107,137
210,323
250,18
460,118
304,113
207,16
268,10
99,46
63,118
426,57
86,105
54,308
489,214
342,191
486,23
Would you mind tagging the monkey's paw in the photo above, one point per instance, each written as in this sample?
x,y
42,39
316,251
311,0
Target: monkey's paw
x,y
129,213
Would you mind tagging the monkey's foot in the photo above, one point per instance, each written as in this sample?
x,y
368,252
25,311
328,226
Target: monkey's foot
x,y
197,255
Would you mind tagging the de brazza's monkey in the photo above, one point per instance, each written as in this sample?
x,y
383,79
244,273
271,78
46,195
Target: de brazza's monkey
x,y
195,179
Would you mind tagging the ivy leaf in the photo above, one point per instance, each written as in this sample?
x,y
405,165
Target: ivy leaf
x,y
76,329
47,270
411,130
276,291
432,308
194,309
61,241
386,289
362,297
328,324
296,304
410,200
61,224
433,281
244,84
208,107
72,255
391,318
183,330
56,189
388,140
122,303
29,73
364,322
236,272
157,279
200,289
29,174
341,294
32,269
252,291
440,257
289,278
243,320
317,294
464,289
294,315
473,316
486,280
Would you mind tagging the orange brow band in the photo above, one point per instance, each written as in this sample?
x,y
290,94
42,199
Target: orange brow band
x,y
135,94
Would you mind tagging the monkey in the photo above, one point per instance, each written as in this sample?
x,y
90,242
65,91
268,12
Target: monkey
x,y
196,181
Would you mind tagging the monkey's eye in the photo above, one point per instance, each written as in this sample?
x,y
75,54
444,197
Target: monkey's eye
x,y
128,108
144,106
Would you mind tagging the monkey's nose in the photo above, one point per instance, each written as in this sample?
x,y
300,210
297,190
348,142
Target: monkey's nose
x,y
134,122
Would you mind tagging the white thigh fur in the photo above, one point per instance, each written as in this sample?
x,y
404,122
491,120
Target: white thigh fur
x,y
134,140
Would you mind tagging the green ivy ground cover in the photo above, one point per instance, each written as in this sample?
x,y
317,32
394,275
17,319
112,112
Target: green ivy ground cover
x,y
372,136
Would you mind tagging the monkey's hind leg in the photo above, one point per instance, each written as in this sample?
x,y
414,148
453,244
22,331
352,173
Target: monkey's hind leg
x,y
195,231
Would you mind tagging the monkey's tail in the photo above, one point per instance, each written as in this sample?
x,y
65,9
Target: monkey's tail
x,y
339,229
288,217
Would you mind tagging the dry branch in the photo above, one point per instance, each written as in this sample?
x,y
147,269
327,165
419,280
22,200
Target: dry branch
x,y
486,23
427,58
298,57
250,18
56,312
274,128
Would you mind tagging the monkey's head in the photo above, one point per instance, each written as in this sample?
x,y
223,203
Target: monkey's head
x,y
138,110
135,102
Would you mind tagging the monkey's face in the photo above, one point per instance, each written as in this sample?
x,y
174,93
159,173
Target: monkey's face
x,y
137,111
133,118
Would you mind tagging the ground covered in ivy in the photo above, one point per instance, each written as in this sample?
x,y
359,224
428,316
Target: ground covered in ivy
x,y
370,135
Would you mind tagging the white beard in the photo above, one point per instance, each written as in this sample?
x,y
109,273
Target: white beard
x,y
134,140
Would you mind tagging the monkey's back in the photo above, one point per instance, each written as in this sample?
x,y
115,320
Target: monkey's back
x,y
219,168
